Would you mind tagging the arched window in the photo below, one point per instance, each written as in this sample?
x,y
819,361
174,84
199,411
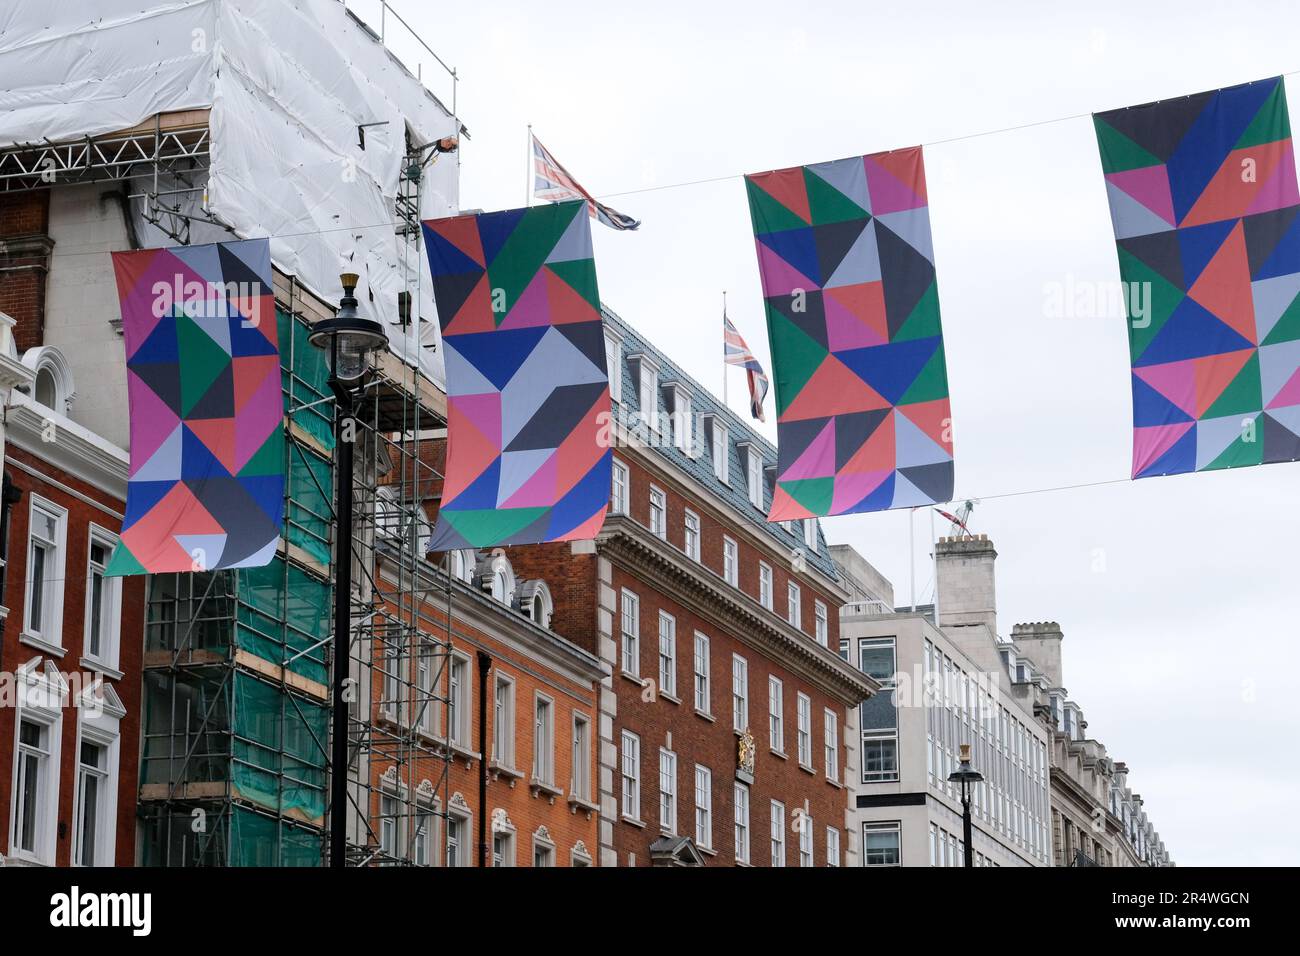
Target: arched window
x,y
535,602
53,387
495,576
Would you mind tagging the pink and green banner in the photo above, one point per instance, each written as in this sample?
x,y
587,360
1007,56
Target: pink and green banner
x,y
206,481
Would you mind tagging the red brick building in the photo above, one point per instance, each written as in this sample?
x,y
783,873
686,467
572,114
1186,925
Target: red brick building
x,y
537,747
726,720
71,641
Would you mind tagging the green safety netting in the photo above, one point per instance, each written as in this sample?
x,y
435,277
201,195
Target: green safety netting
x,y
256,840
310,484
306,374
279,750
283,611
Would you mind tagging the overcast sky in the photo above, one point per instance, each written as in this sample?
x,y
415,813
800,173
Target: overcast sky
x,y
1176,595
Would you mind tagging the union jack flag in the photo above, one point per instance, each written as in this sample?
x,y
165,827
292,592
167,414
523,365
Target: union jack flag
x,y
736,352
552,181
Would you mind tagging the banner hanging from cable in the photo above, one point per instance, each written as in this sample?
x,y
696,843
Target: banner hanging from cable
x,y
1203,200
527,388
206,481
863,417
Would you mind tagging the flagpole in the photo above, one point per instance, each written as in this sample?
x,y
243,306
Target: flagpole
x,y
911,554
725,403
528,168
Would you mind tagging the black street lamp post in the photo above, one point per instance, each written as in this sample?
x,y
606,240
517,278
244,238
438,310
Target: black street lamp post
x,y
968,777
349,340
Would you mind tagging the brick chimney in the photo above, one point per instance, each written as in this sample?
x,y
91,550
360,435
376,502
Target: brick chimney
x,y
965,581
1040,641
25,247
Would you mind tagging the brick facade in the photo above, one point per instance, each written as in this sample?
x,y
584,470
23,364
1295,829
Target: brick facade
x,y
587,584
85,505
526,813
25,248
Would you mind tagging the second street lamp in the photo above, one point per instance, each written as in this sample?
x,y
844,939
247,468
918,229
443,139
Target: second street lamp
x,y
349,340
968,776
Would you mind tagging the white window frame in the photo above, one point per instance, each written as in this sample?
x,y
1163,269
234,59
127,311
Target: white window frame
x,y
648,392
464,820
544,847
703,807
821,623
543,770
691,534
629,626
505,857
721,453
422,841
885,826
460,719
775,713
99,714
810,534
667,654
389,828
580,758
619,488
832,847
765,586
503,719
739,694
777,833
630,776
730,561
754,476
740,817
41,692
107,659
831,740
806,841
703,692
793,604
803,730
614,367
683,420
667,791
48,636
425,707
658,512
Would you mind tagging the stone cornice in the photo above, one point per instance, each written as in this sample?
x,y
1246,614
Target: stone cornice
x,y
632,547
75,450
625,446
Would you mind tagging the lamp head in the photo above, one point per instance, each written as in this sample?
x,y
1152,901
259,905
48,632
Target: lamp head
x,y
347,337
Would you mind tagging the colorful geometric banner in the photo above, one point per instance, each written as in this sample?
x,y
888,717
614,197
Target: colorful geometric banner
x,y
527,390
863,420
1203,199
206,487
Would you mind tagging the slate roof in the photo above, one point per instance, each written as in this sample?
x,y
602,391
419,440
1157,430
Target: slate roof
x,y
703,401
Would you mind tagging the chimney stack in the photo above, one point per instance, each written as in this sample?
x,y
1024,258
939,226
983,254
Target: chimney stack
x,y
1041,642
964,572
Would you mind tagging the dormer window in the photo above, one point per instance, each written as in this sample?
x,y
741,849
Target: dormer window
x,y
496,577
647,372
718,450
678,401
614,366
52,386
810,534
753,473
535,602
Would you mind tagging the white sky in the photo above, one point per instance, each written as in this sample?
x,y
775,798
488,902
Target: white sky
x,y
1176,594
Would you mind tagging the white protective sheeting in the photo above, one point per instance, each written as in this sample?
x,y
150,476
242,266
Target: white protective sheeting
x,y
288,83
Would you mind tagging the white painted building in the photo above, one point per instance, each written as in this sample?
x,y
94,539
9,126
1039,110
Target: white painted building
x,y
947,686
